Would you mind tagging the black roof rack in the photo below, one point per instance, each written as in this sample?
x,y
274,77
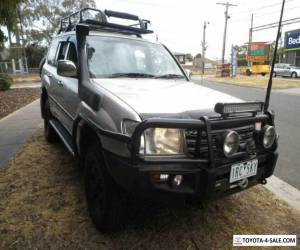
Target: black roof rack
x,y
99,21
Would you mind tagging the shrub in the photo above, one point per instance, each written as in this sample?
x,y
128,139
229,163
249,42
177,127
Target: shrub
x,y
5,82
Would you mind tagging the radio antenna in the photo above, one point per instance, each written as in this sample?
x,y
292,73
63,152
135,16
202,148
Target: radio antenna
x,y
267,100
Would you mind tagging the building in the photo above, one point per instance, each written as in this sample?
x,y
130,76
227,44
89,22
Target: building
x,y
292,47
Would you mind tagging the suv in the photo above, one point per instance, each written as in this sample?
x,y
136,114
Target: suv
x,y
126,108
284,69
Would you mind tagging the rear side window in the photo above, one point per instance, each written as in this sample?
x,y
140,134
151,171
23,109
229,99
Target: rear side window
x,y
52,52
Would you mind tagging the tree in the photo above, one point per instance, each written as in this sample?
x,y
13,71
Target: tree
x,y
189,57
41,18
198,56
8,18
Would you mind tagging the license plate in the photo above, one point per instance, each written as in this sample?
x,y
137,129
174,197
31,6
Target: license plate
x,y
243,170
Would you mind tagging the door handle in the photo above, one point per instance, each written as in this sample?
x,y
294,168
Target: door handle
x,y
49,75
59,83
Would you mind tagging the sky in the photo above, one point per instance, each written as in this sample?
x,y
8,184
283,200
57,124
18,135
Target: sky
x,y
179,24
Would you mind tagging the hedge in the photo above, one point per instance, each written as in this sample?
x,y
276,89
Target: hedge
x,y
5,82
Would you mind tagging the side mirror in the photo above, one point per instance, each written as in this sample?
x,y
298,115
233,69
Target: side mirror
x,y
66,68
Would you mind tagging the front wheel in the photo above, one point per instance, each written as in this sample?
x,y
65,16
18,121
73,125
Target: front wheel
x,y
274,74
294,75
105,203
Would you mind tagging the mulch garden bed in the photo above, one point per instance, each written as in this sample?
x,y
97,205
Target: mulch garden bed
x,y
14,99
42,206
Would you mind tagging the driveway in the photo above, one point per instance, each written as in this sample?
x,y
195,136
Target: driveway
x,y
286,104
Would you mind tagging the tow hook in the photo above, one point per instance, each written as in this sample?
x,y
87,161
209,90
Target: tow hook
x,y
264,181
243,183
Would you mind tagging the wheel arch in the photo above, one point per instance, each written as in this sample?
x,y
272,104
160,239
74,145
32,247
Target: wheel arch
x,y
83,134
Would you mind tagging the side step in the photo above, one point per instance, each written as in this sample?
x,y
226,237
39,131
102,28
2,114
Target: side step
x,y
63,134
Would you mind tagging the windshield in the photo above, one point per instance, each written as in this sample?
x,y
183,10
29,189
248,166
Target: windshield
x,y
122,57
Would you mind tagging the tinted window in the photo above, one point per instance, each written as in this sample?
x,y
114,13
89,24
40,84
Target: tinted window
x,y
72,55
62,51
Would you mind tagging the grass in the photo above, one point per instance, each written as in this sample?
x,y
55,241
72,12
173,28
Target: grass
x,y
258,81
42,206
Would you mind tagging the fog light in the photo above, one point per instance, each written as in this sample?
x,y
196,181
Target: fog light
x,y
177,180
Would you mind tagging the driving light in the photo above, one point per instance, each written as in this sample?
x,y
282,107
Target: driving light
x,y
269,136
162,141
231,143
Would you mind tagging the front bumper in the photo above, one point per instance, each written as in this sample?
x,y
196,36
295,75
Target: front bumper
x,y
199,181
203,178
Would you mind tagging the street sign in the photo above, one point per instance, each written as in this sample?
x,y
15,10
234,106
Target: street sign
x,y
292,41
258,52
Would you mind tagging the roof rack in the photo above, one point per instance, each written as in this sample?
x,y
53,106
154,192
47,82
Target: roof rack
x,y
99,21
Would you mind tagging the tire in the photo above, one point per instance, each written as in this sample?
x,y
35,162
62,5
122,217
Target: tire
x,y
263,74
294,75
248,72
49,132
106,204
274,74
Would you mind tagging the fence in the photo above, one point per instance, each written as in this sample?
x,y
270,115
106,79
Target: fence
x,y
14,66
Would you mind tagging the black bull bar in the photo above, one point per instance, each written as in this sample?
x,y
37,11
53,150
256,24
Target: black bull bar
x,y
204,123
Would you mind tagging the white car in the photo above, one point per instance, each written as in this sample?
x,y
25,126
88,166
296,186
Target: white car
x,y
284,69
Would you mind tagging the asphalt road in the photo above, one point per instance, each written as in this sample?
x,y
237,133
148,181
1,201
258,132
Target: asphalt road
x,y
287,109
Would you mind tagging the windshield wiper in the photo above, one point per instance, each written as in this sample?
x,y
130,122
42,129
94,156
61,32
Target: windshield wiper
x,y
134,75
170,76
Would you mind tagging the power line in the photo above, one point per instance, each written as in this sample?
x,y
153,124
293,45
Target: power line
x,y
260,8
274,25
266,14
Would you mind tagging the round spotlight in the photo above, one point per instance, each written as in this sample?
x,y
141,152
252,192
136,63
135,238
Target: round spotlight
x,y
231,143
177,180
269,136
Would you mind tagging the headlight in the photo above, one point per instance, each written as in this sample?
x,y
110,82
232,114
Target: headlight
x,y
162,141
269,136
231,143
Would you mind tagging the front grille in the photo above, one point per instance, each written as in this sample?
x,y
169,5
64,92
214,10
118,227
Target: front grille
x,y
197,146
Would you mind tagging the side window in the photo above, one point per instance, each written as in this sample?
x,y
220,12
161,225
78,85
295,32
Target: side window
x,y
72,54
52,52
62,51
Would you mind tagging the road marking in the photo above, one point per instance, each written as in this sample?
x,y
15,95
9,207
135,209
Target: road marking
x,y
284,191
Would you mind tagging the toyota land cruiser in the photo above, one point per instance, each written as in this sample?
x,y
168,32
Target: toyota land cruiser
x,y
125,107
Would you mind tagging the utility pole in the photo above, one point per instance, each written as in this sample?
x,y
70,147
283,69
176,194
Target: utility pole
x,y
250,38
227,5
204,46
